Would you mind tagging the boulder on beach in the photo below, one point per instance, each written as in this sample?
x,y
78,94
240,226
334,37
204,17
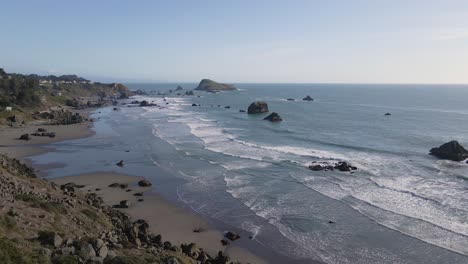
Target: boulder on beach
x,y
451,151
308,98
232,236
144,183
25,137
273,117
212,86
257,107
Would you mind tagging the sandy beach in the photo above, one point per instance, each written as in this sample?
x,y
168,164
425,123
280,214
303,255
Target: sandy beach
x,y
173,223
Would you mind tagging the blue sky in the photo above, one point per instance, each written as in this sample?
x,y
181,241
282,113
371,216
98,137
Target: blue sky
x,y
239,41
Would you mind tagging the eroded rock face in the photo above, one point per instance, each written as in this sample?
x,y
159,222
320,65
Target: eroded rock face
x,y
257,107
451,151
273,117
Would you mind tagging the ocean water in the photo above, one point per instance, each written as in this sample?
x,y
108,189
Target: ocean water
x,y
401,205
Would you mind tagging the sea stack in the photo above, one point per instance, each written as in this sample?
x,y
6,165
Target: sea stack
x,y
273,117
257,107
451,151
208,85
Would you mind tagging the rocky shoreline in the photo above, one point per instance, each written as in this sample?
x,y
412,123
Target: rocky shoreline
x,y
61,224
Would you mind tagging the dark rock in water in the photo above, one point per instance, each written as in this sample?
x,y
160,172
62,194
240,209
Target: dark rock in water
x,y
291,99
117,109
212,86
224,242
331,222
273,117
232,236
114,185
25,137
41,130
451,151
144,183
343,166
194,105
146,103
308,98
257,108
189,93
179,88
120,163
227,107
140,200
138,194
324,166
123,185
387,114
316,167
242,111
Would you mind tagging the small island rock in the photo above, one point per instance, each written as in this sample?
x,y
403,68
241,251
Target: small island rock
x,y
257,107
273,117
451,151
212,86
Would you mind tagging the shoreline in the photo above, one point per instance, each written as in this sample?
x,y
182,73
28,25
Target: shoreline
x,y
178,223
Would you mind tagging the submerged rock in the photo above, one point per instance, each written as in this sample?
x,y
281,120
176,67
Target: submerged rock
x,y
232,236
257,107
273,117
308,98
291,99
451,151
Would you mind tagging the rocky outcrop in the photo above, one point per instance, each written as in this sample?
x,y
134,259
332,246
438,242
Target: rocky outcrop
x,y
325,166
451,151
273,117
179,88
308,98
189,93
212,86
257,107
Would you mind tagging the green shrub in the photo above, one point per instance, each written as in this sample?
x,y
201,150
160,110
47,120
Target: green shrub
x,y
37,202
8,222
10,254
